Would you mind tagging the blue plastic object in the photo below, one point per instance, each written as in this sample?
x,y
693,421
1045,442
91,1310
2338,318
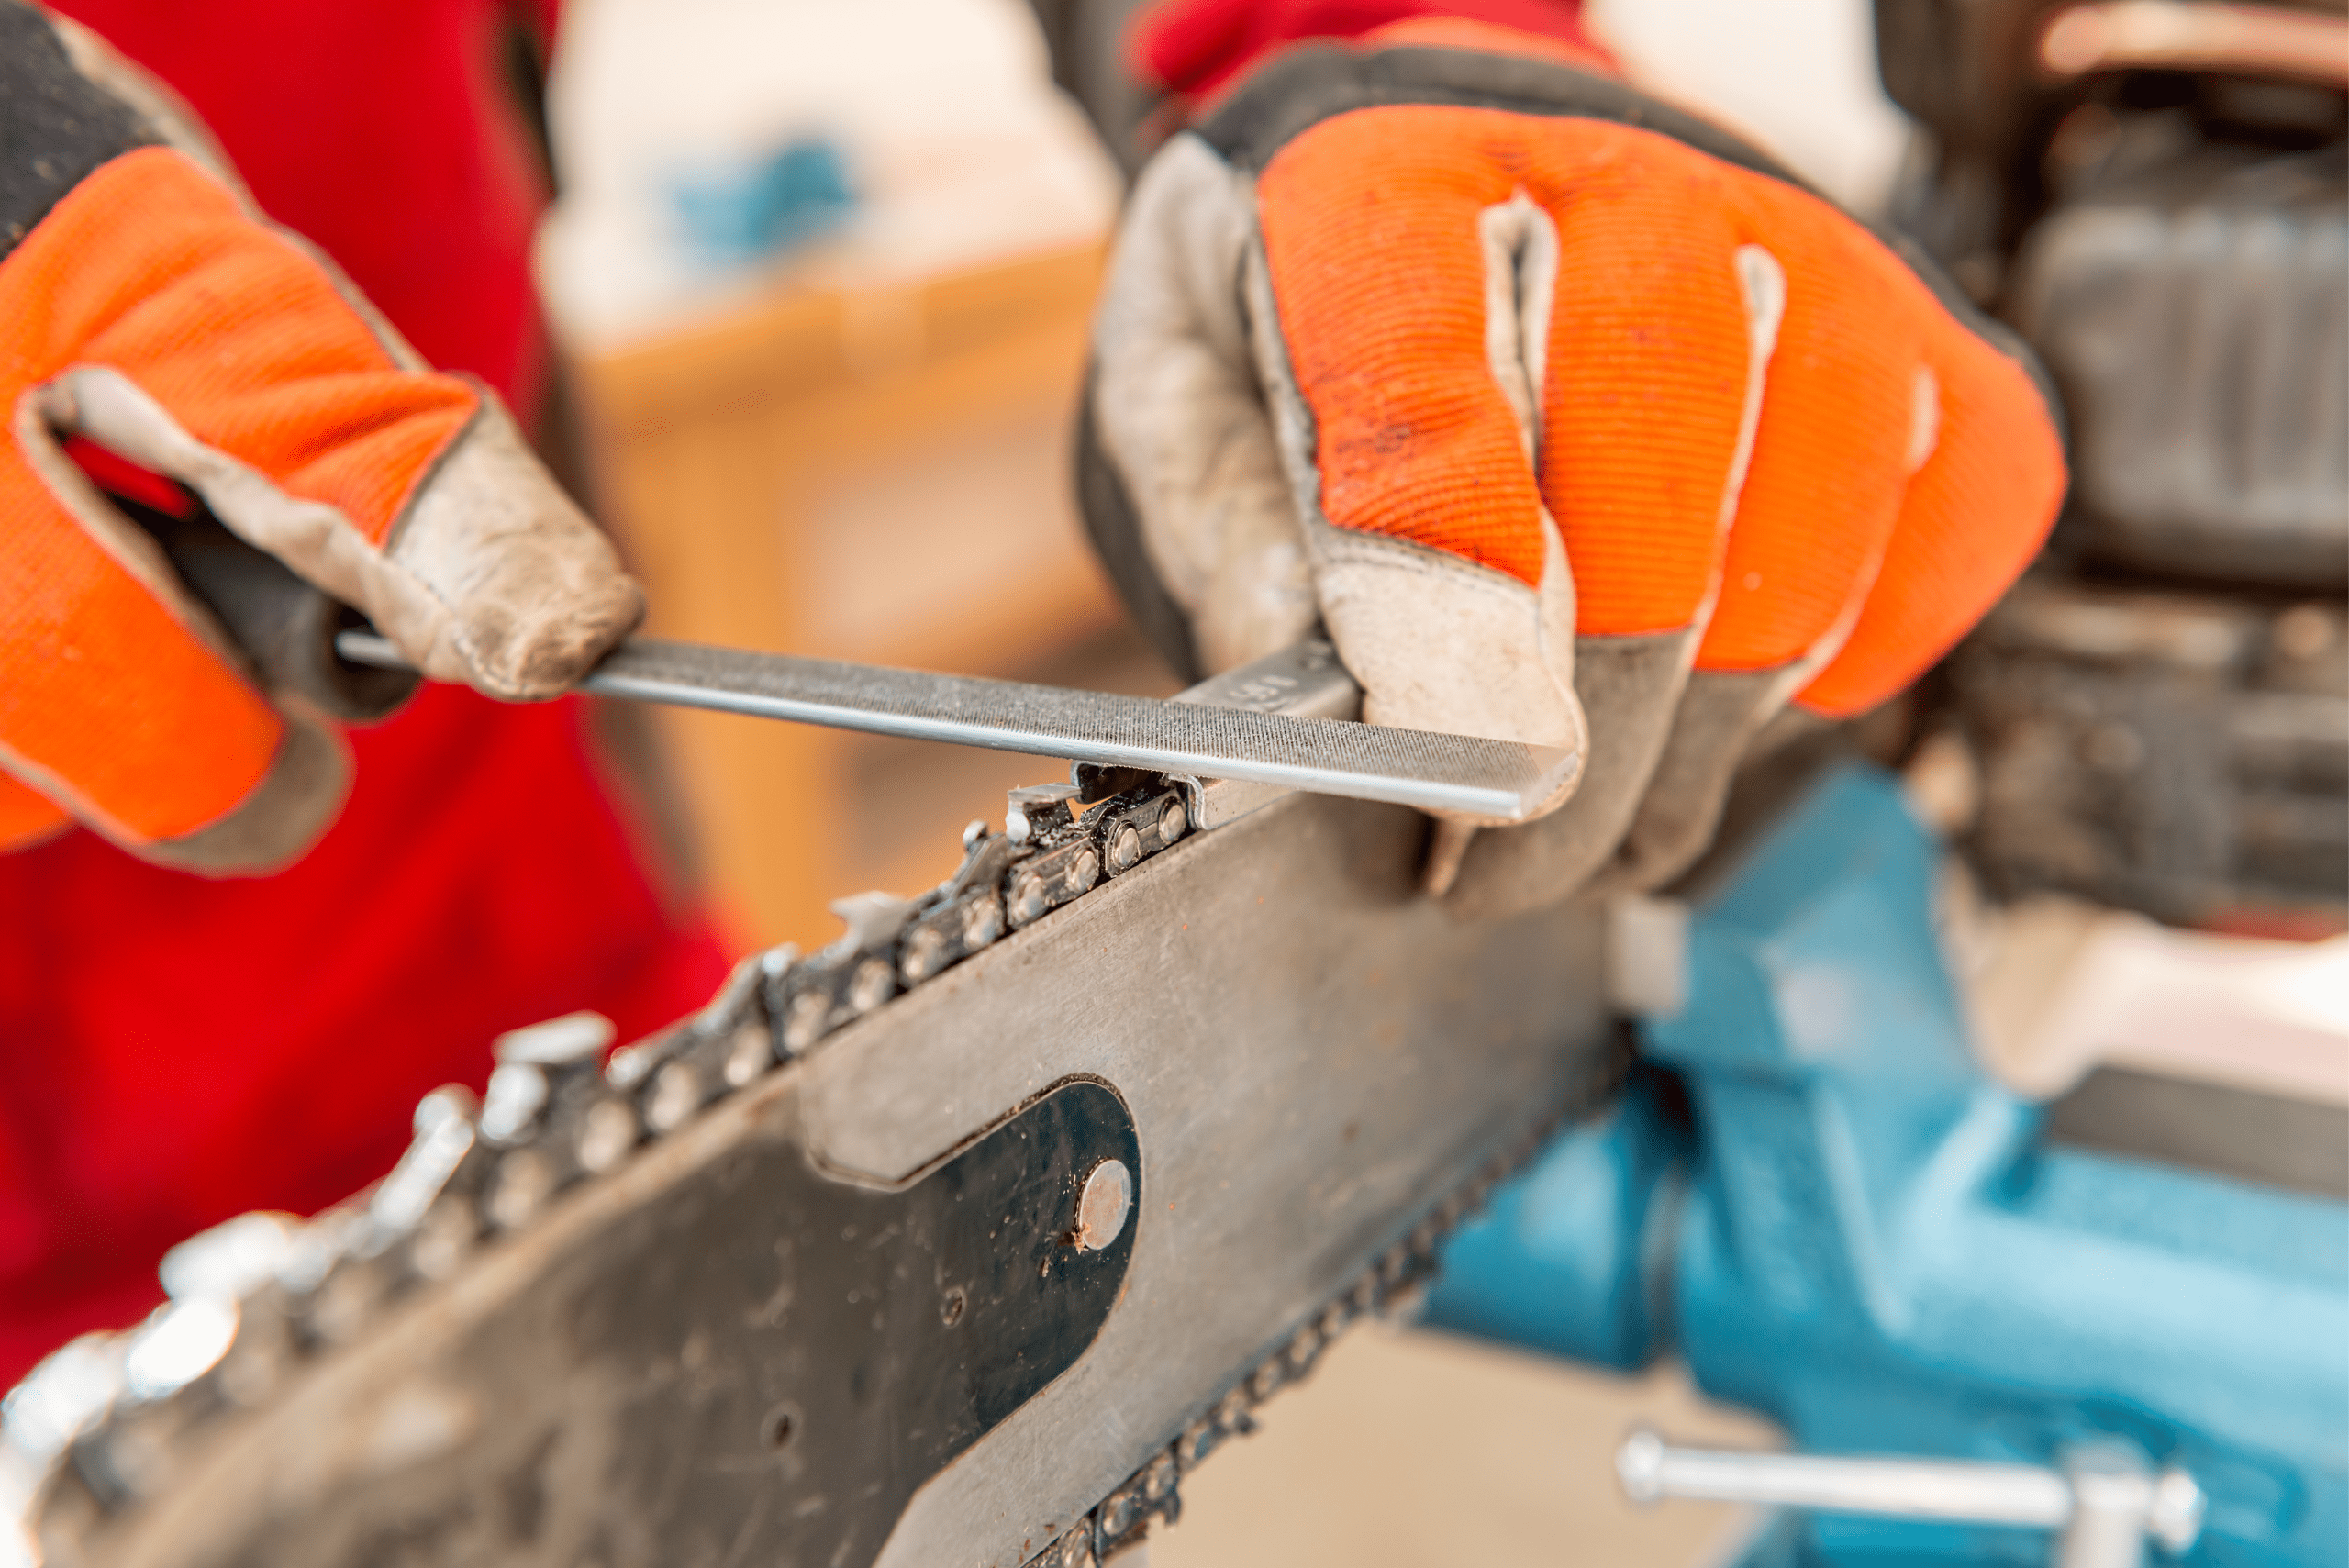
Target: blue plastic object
x,y
1817,1198
741,212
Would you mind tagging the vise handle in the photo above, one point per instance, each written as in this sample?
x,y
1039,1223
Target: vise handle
x,y
2106,1502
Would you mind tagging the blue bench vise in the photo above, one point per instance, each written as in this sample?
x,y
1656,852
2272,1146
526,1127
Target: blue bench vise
x,y
1985,1346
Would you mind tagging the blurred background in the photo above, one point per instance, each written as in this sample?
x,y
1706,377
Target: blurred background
x,y
822,275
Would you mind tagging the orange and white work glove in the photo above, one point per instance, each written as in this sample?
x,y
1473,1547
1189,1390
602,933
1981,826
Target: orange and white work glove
x,y
1574,419
145,308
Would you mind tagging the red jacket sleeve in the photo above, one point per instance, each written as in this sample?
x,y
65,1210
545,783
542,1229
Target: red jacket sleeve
x,y
1194,47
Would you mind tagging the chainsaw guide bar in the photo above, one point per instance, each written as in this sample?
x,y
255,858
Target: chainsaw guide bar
x,y
963,1239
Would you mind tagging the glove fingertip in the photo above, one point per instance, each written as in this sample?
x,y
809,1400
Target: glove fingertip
x,y
534,659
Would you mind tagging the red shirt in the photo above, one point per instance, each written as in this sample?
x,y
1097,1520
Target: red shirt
x,y
176,1050
1196,48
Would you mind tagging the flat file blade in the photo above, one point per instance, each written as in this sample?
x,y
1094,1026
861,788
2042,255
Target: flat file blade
x,y
1505,781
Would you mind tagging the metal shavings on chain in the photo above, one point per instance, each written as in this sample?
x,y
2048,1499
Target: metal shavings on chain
x,y
96,1426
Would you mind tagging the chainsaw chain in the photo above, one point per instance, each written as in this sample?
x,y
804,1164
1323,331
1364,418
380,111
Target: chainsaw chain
x,y
100,1424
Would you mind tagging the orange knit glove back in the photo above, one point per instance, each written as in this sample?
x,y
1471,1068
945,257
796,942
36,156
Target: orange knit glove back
x,y
144,307
1574,420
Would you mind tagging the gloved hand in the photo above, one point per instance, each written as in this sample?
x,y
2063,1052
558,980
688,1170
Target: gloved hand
x,y
1574,419
145,307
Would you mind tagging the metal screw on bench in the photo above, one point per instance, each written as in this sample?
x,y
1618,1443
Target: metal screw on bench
x,y
2106,1502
